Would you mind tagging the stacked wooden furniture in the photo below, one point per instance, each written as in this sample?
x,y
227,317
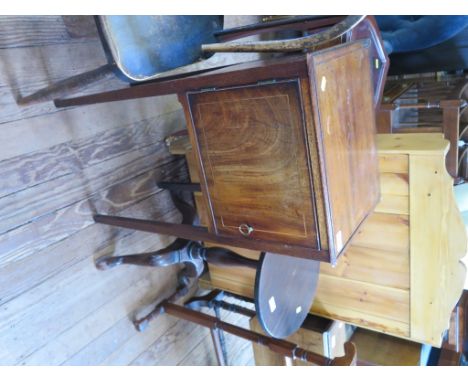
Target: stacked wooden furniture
x,y
422,105
287,160
402,273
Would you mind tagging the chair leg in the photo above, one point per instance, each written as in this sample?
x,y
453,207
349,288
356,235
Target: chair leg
x,y
183,289
68,85
161,258
384,121
219,341
282,347
173,186
165,256
223,257
451,121
219,346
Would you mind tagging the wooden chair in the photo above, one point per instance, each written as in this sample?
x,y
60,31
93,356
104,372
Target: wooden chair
x,y
138,48
148,48
323,31
426,105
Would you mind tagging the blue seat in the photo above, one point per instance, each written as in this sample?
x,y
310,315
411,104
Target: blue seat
x,y
413,33
143,46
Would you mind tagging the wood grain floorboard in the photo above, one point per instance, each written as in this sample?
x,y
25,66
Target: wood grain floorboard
x,y
27,205
203,354
96,351
38,67
57,168
117,336
25,31
138,342
12,112
32,297
76,340
18,277
71,157
47,130
54,227
43,313
169,349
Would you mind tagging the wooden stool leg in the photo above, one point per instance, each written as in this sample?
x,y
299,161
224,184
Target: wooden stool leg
x,y
177,252
451,122
220,348
285,348
223,357
185,284
173,186
384,121
161,258
184,230
67,86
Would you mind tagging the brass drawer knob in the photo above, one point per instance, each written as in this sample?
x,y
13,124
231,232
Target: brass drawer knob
x,y
245,229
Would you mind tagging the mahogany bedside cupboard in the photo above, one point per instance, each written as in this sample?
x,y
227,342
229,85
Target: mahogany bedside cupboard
x,y
286,151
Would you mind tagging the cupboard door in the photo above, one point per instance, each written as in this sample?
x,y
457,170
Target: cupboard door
x,y
341,78
255,162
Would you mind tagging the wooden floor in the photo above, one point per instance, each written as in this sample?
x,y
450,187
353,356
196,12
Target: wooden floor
x,y
57,168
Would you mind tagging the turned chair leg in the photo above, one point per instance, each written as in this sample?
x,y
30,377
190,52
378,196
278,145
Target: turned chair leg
x,y
282,347
161,258
68,85
181,250
179,187
169,255
184,285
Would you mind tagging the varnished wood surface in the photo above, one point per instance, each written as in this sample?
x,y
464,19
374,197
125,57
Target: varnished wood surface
x,y
342,91
58,168
255,162
283,347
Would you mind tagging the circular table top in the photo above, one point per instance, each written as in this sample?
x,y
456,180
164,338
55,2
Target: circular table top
x,y
285,287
